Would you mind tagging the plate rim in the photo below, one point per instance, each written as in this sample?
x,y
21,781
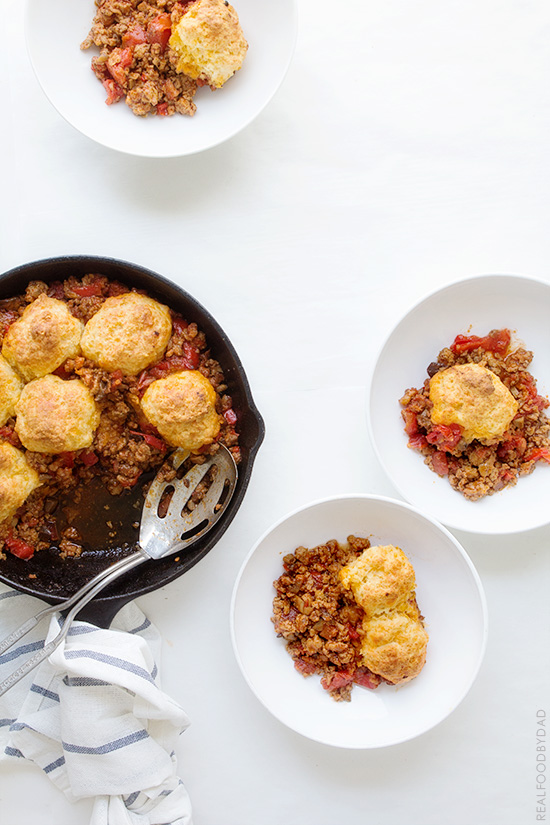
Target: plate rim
x,y
424,299
231,132
458,549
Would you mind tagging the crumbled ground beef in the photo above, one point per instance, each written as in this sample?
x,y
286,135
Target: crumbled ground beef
x,y
477,469
125,445
319,619
135,61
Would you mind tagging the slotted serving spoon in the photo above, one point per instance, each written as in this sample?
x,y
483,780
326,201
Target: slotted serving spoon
x,y
166,527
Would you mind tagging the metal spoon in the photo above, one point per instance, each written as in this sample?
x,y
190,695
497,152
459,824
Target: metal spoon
x,y
166,527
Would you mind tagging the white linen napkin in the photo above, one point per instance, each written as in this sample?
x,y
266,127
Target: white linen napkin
x,y
93,715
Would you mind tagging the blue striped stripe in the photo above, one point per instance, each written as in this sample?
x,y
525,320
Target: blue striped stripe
x,y
114,661
49,694
9,595
5,722
141,627
108,747
79,630
84,681
131,798
53,765
13,752
19,726
19,651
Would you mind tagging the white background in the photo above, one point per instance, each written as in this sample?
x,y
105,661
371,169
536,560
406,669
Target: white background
x,y
409,146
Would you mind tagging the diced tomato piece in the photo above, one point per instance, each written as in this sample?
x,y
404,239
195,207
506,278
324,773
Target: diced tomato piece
x,y
353,633
440,463
145,378
365,678
118,63
190,360
445,436
417,442
191,355
162,109
538,454
116,379
55,290
155,442
9,435
152,440
19,548
411,423
179,324
230,416
305,668
507,476
514,445
7,317
88,290
159,30
337,680
134,36
89,458
114,91
497,341
67,459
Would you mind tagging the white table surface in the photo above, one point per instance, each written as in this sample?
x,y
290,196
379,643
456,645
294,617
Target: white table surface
x,y
409,146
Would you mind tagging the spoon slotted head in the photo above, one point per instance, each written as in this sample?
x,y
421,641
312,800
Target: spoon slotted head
x,y
166,527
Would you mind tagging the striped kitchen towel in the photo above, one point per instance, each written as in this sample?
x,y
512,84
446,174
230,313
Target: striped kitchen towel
x,y
93,716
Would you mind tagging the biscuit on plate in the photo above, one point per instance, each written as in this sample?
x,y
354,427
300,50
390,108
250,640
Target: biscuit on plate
x,y
129,332
56,416
473,397
43,338
10,390
17,480
380,578
393,638
394,644
209,42
182,407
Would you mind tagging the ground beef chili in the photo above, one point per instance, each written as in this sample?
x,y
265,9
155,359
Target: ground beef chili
x,y
125,445
319,619
476,469
135,62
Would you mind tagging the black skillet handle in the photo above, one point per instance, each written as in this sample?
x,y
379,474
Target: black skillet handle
x,y
101,612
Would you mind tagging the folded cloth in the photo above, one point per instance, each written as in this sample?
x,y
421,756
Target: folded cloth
x,y
93,715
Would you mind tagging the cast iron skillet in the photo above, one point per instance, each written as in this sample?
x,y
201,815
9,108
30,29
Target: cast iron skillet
x,y
53,579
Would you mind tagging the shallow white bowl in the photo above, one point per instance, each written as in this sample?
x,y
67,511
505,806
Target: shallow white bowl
x,y
450,596
473,306
55,30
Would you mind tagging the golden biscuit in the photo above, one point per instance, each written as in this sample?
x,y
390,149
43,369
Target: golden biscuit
x,y
129,332
17,480
42,338
10,390
380,578
473,397
209,42
182,407
394,645
56,416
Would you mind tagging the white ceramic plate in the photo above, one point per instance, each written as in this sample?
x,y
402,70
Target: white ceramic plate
x,y
55,30
473,306
450,597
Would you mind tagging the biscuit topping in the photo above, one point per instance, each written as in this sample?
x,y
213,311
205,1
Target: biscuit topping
x,y
474,398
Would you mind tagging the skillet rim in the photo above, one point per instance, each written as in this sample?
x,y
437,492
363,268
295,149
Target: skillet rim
x,y
150,575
